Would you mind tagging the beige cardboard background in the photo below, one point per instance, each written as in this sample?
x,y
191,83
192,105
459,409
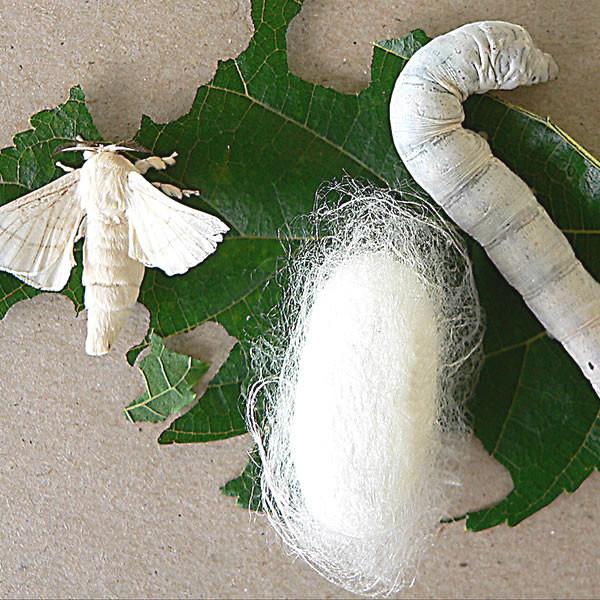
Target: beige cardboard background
x,y
91,506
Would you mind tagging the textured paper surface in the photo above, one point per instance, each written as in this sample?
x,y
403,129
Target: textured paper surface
x,y
90,505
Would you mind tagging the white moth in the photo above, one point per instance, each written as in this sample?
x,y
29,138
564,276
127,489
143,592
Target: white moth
x,y
128,224
479,192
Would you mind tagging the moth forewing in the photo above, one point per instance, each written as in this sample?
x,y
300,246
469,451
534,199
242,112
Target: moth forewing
x,y
166,234
38,231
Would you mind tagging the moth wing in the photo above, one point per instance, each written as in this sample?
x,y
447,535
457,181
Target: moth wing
x,y
166,234
38,231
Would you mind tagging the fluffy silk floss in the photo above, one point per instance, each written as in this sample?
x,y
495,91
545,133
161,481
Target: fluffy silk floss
x,y
358,411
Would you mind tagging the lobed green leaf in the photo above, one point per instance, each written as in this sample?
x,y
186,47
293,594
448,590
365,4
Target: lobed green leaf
x,y
258,141
169,378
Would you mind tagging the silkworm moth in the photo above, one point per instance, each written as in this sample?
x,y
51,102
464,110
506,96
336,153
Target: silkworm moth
x,y
478,191
128,224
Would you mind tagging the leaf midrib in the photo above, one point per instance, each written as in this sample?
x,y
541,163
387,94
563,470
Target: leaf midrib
x,y
554,482
495,451
303,126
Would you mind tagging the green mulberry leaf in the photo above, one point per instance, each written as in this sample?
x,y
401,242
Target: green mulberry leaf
x,y
169,378
219,414
258,141
246,487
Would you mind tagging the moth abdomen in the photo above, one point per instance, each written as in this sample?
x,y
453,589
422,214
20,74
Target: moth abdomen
x,y
112,282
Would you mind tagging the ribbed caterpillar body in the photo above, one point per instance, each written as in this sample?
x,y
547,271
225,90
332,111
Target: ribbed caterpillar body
x,y
478,191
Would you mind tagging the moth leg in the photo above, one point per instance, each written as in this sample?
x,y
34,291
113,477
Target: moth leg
x,y
82,229
174,191
65,168
154,162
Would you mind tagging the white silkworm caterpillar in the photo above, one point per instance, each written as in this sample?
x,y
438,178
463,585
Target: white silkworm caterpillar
x,y
479,192
128,224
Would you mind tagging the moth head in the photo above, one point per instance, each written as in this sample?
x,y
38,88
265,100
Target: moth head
x,y
91,148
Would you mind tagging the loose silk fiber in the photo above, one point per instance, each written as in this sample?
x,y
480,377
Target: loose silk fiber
x,y
358,411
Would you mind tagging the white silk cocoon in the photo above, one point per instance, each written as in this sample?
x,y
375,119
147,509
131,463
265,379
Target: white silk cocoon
x,y
358,410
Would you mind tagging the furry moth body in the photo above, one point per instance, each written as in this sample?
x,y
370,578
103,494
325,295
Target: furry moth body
x,y
128,224
478,191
